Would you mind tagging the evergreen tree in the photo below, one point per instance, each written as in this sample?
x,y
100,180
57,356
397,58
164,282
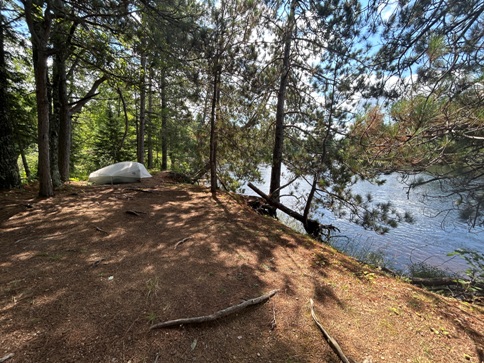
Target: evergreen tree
x,y
39,18
110,146
231,57
9,174
327,74
433,53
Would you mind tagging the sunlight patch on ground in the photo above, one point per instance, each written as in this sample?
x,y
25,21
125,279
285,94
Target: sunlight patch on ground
x,y
24,256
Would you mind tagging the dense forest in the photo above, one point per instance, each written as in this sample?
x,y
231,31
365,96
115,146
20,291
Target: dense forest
x,y
335,90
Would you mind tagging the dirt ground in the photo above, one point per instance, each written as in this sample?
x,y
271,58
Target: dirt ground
x,y
84,274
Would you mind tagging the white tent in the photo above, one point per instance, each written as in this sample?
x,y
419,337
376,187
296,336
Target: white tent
x,y
123,172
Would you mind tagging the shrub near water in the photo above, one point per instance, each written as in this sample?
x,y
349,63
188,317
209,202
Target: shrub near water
x,y
424,270
475,261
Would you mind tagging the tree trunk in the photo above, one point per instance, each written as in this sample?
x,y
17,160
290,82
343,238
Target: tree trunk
x,y
28,174
142,112
40,56
39,26
280,111
164,123
309,201
126,122
150,119
62,42
213,129
9,173
55,120
65,123
312,227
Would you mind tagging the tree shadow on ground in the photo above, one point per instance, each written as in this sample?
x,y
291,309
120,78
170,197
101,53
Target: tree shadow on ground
x,y
85,274
83,279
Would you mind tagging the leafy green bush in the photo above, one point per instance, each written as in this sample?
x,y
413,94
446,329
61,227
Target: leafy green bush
x,y
475,261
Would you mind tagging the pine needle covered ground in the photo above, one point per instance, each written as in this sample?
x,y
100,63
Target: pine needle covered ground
x,y
83,276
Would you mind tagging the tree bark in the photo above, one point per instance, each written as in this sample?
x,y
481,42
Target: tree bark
x,y
142,112
149,120
28,174
275,184
213,129
40,56
126,121
58,67
65,126
63,45
164,123
40,26
46,188
216,73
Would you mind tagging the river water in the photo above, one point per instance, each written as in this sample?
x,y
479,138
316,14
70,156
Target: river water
x,y
428,240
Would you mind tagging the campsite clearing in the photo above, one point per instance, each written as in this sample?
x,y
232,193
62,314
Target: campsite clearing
x,y
82,280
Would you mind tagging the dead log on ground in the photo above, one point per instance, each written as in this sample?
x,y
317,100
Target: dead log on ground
x,y
312,227
332,343
219,314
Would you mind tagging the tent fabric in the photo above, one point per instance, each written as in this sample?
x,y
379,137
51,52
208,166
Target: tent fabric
x,y
123,172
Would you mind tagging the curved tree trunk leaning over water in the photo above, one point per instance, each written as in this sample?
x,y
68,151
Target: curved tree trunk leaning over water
x,y
312,227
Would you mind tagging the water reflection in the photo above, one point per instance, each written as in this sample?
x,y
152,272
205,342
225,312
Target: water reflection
x,y
436,232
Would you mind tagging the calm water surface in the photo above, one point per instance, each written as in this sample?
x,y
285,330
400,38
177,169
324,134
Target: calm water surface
x,y
433,235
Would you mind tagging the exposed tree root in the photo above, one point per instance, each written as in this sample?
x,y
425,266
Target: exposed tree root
x,y
219,314
135,212
181,241
6,357
332,343
101,230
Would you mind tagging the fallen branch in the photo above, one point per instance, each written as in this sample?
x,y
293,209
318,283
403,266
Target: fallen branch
x,y
181,241
20,240
96,263
219,314
273,322
6,357
135,212
101,230
332,343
